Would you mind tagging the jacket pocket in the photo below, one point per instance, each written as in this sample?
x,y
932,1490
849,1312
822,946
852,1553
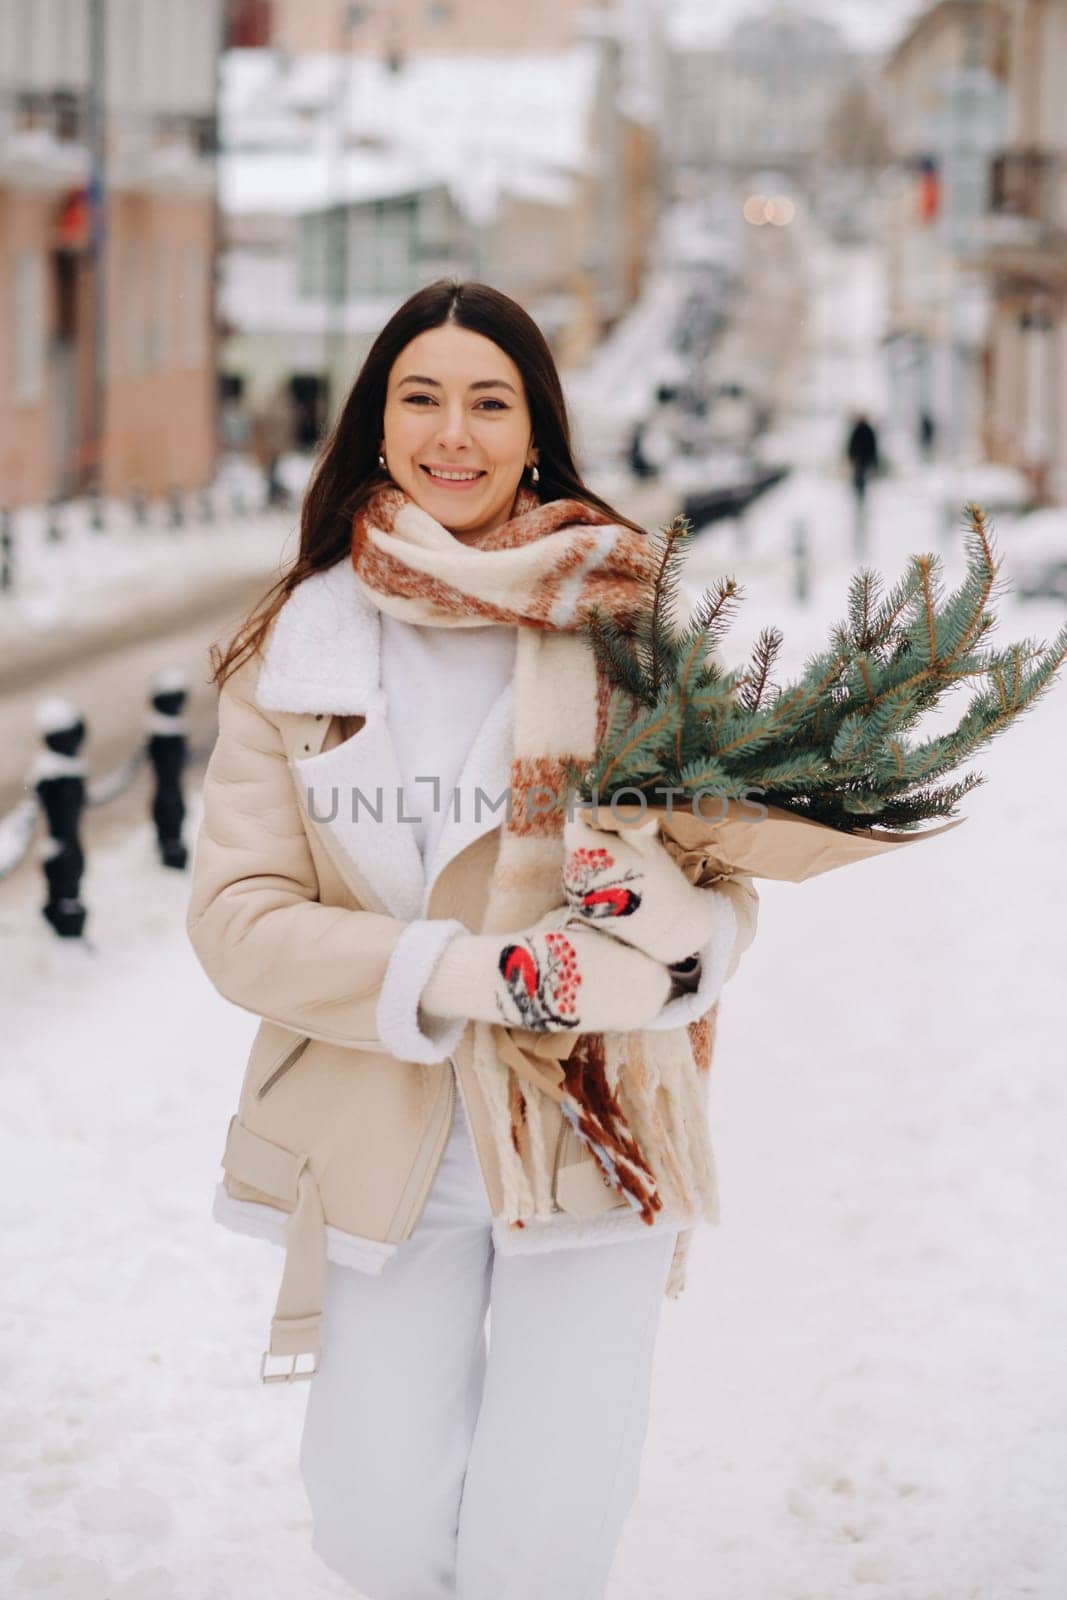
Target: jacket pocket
x,y
278,1071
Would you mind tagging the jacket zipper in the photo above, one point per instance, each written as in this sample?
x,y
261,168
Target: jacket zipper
x,y
560,1137
283,1067
415,1209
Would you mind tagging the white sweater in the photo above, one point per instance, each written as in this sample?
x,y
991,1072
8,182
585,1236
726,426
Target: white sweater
x,y
439,684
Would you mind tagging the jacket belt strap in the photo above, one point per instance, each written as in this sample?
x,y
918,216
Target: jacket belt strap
x,y
295,1326
535,1057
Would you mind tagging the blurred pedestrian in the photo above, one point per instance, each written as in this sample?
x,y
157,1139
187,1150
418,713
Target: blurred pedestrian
x,y
927,435
862,452
233,426
272,437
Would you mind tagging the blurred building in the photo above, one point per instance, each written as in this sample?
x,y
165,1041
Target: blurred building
x,y
321,241
372,148
397,28
1026,401
948,116
107,240
762,97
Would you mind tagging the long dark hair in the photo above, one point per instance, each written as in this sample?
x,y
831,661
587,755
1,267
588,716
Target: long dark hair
x,y
347,472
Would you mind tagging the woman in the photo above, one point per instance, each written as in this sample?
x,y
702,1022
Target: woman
x,y
478,1082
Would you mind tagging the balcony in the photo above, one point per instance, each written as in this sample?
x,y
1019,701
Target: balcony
x,y
164,153
1028,197
44,144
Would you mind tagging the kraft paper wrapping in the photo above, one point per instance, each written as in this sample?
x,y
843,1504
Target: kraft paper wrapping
x,y
741,842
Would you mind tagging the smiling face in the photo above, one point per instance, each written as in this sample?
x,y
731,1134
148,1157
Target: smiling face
x,y
457,430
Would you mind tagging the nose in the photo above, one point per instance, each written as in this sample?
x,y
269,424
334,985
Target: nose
x,y
453,432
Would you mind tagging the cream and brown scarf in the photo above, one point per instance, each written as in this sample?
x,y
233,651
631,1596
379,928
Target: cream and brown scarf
x,y
640,1096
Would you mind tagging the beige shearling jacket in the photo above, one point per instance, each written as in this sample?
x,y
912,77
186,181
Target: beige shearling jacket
x,y
327,927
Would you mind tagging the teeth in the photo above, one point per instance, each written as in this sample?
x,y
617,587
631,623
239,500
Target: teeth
x,y
454,477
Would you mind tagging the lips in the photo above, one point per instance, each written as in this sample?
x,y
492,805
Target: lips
x,y
453,483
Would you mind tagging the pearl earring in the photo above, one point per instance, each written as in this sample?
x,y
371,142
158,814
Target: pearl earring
x,y
381,461
535,476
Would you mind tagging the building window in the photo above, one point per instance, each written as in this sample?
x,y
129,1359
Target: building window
x,y
396,246
168,295
196,306
312,257
362,251
135,339
439,12
30,333
156,308
334,243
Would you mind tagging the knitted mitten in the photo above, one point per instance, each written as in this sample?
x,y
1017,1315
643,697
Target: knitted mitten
x,y
629,885
549,978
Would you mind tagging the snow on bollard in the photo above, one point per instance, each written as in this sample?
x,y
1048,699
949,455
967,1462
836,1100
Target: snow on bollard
x,y
167,746
57,776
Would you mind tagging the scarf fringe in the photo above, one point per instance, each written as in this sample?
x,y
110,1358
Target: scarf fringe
x,y
660,1092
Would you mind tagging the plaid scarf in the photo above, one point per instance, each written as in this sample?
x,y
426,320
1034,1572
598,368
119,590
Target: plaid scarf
x,y
635,1098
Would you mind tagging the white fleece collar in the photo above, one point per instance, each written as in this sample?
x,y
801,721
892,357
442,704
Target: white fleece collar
x,y
323,654
323,651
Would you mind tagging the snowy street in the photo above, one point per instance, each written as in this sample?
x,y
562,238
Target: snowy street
x,y
92,617
861,1391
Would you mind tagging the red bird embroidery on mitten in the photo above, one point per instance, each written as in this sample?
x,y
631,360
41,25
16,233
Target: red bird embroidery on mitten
x,y
543,993
609,903
610,899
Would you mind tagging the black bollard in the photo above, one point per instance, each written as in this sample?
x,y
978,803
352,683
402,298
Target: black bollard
x,y
54,528
177,509
139,506
7,551
96,511
801,562
167,745
58,779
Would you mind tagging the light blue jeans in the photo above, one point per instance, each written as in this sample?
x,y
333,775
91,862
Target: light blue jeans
x,y
438,1463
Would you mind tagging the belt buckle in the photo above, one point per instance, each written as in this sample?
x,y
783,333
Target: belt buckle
x,y
293,1374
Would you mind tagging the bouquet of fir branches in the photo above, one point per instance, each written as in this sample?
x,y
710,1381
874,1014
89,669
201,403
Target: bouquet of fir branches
x,y
830,765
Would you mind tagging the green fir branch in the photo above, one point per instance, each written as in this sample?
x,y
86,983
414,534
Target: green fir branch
x,y
834,744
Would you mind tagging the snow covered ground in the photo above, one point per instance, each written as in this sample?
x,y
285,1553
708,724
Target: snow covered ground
x,y
860,1392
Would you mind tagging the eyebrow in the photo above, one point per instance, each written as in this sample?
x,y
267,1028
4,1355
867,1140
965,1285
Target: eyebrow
x,y
485,383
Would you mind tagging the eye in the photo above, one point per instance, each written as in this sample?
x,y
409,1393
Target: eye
x,y
488,401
